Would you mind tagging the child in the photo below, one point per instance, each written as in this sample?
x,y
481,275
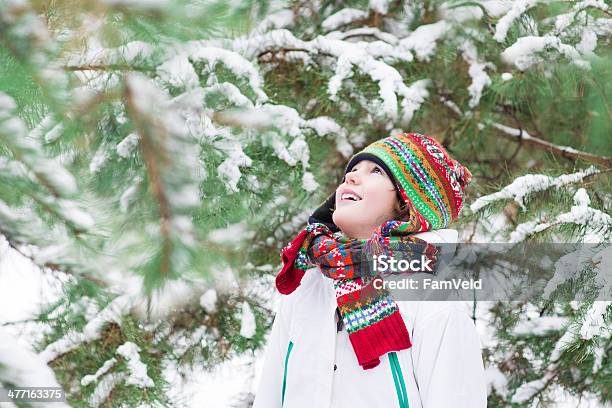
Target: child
x,y
336,342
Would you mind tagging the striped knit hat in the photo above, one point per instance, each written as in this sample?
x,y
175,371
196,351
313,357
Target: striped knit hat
x,y
426,178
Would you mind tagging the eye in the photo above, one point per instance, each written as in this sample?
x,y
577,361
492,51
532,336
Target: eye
x,y
377,170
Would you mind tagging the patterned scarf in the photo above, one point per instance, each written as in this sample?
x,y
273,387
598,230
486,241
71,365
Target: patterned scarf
x,y
370,315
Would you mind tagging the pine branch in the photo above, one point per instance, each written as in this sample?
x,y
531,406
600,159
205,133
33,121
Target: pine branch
x,y
53,266
521,136
150,156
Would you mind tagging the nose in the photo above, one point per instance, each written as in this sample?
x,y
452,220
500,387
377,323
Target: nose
x,y
352,177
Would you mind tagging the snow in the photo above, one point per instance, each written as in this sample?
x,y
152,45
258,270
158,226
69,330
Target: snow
x,y
138,370
388,78
95,54
16,137
525,185
91,331
129,194
324,125
229,169
88,379
459,14
178,72
169,138
289,123
247,324
309,183
414,96
594,324
540,326
423,40
379,6
208,301
104,388
231,92
343,17
233,61
99,159
47,130
504,23
496,8
54,134
496,381
566,268
566,339
526,391
580,213
72,212
603,268
374,47
279,19
523,53
480,79
25,368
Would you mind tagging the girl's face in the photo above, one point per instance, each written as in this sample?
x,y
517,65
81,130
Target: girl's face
x,y
365,200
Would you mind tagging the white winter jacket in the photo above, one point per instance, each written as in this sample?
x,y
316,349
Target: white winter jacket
x,y
308,364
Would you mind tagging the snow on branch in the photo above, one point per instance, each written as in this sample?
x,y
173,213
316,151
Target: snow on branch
x,y
104,388
132,54
568,267
230,59
21,367
92,330
504,23
138,371
477,72
563,21
60,183
423,40
525,185
15,135
361,55
594,323
524,52
366,32
523,136
540,326
291,126
88,379
532,388
343,17
170,155
280,19
580,214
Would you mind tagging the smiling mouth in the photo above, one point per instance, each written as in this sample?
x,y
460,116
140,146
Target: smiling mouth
x,y
350,197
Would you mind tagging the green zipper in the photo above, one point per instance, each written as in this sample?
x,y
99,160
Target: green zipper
x,y
285,373
398,379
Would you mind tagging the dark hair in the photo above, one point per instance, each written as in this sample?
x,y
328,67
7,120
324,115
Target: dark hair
x,y
402,212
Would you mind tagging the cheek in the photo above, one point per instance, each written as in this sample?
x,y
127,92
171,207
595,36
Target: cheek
x,y
382,202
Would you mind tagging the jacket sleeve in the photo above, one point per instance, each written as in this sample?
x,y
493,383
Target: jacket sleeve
x,y
269,391
448,364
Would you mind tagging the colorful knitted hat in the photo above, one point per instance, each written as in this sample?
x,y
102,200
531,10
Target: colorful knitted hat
x,y
427,179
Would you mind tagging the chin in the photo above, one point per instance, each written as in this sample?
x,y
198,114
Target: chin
x,y
345,220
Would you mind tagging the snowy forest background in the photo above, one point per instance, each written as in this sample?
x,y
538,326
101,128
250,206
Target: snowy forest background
x,y
156,155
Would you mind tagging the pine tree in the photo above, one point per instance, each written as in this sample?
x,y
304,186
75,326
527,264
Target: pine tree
x,y
157,155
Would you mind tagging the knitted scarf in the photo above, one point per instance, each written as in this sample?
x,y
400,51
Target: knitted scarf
x,y
370,315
